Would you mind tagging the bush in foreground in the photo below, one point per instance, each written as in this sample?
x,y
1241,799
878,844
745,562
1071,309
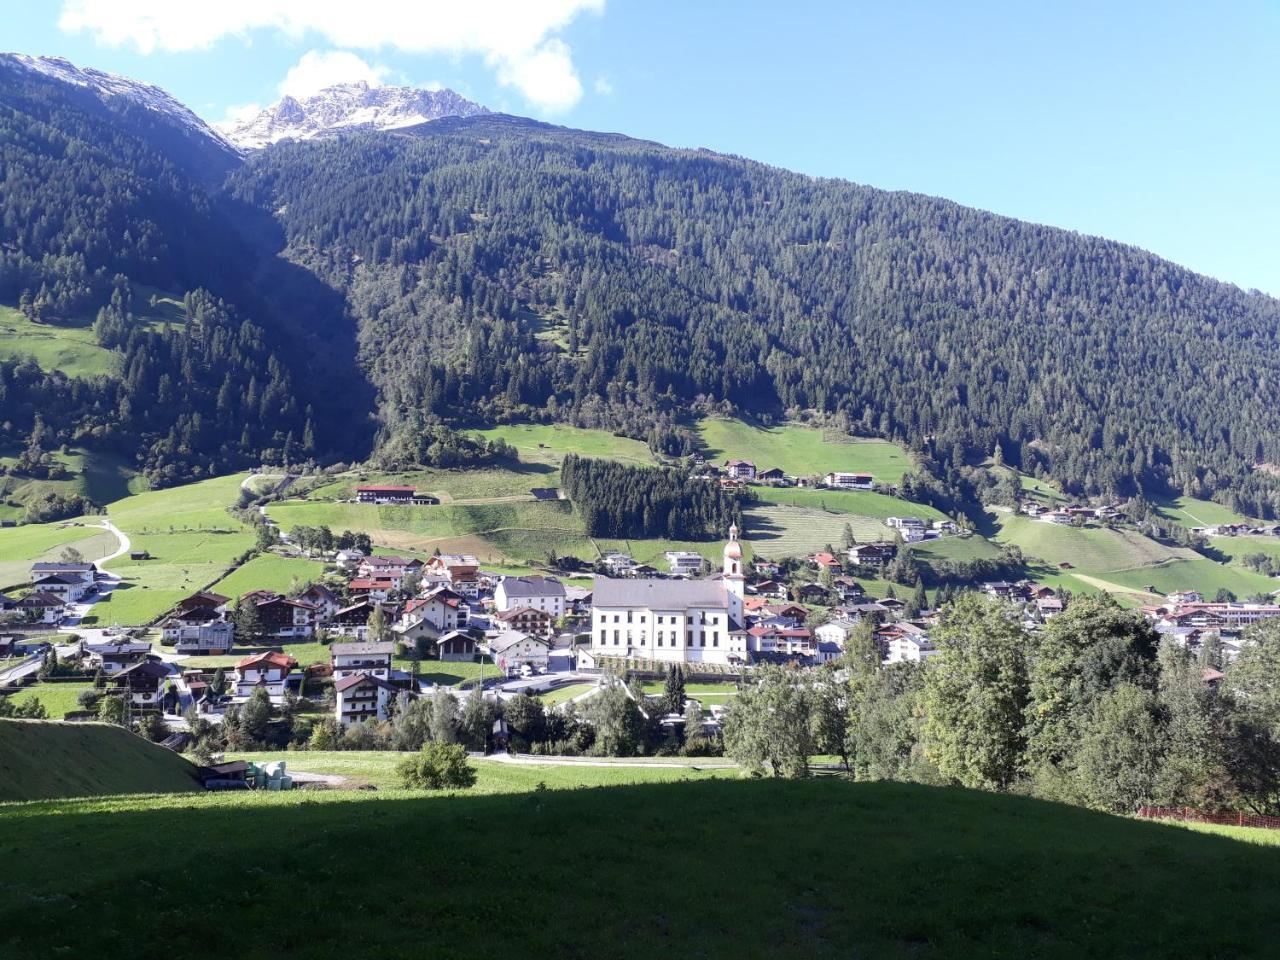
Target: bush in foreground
x,y
437,766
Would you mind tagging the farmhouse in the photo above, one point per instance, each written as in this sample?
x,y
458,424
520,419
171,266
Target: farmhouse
x,y
286,619
848,481
673,620
535,593
740,469
442,610
204,600
114,658
351,620
393,495
461,569
773,476
65,586
144,683
873,554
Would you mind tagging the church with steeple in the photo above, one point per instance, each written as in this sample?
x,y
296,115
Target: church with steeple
x,y
677,621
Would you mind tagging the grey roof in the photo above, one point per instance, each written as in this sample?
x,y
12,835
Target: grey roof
x,y
510,638
532,587
353,649
47,566
659,594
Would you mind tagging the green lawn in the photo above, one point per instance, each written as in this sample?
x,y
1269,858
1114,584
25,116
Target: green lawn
x,y
707,694
269,572
802,451
858,503
305,653
1089,549
1007,876
450,673
58,698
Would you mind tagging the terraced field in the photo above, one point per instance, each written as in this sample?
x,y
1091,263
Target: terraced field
x,y
802,451
785,531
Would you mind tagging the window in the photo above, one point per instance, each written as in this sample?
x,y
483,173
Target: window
x,y
628,616
688,639
715,639
615,638
602,633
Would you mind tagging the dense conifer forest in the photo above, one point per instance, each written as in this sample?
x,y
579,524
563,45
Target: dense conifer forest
x,y
369,292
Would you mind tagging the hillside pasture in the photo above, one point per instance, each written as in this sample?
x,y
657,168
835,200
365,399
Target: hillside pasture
x,y
70,348
268,572
548,443
1190,512
479,484
22,546
786,531
858,503
802,451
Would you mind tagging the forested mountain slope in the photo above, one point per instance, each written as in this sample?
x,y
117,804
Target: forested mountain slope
x,y
499,266
100,195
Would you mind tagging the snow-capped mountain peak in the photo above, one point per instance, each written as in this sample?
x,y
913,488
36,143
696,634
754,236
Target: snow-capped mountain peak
x,y
107,85
345,107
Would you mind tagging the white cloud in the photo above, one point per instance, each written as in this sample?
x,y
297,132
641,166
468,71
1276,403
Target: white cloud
x,y
604,87
238,114
517,38
319,69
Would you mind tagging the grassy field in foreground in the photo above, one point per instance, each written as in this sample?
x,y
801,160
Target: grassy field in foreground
x,y
802,451
40,759
838,876
561,695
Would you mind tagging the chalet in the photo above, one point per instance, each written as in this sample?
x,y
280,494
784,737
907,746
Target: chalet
x,y
204,600
143,682
765,568
525,620
787,611
618,564
362,696
825,561
396,568
323,600
79,572
848,481
906,643
812,593
457,645
1048,607
199,631
376,589
535,593
685,563
848,589
349,659
740,469
773,476
348,559
43,607
286,619
383,494
113,658
1060,517
270,670
67,587
512,650
873,554
797,641
911,529
836,631
462,569
945,526
769,588
351,620
442,610
1181,597
1033,508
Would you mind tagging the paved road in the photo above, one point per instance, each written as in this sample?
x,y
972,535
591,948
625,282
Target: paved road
x,y
107,581
21,671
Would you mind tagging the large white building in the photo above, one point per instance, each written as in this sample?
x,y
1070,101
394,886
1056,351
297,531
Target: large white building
x,y
686,621
545,594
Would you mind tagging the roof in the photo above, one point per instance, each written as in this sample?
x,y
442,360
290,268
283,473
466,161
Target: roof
x,y
205,598
371,583
354,649
511,638
359,679
50,566
270,658
453,635
659,594
532,587
384,488
58,578
146,668
41,600
519,612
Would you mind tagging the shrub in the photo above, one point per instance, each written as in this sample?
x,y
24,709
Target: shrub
x,y
437,766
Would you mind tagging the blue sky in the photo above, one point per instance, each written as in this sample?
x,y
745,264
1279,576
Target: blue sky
x,y
1151,123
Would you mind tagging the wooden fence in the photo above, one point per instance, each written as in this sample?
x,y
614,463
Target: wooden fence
x,y
1229,818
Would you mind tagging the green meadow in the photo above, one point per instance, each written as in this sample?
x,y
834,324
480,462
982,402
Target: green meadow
x,y
1007,876
802,451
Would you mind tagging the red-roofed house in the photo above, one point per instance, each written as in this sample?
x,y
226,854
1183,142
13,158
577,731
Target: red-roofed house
x,y
270,670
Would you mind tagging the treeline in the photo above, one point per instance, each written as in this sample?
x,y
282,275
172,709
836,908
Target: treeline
x,y
507,268
414,442
1089,709
617,500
